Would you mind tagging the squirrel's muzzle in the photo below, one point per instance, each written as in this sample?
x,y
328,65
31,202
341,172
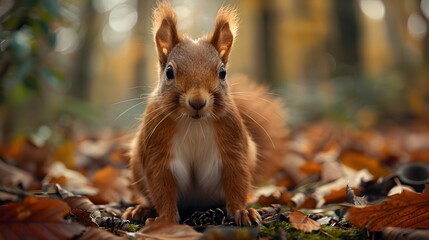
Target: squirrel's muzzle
x,y
197,104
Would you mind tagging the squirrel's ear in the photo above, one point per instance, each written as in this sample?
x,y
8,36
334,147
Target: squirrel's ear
x,y
165,30
224,32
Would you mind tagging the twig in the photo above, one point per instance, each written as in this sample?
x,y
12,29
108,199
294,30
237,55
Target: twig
x,y
17,192
23,194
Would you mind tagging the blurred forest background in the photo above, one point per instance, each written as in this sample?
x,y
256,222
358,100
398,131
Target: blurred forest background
x,y
83,65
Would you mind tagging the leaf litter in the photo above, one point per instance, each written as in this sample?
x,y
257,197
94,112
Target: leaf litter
x,y
336,184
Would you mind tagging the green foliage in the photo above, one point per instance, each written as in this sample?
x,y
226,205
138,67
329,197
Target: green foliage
x,y
28,35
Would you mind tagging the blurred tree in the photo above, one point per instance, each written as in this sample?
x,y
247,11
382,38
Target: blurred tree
x,y
80,86
347,45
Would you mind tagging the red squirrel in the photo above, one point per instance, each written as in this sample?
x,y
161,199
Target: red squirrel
x,y
203,139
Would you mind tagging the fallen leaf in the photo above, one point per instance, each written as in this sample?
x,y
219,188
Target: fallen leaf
x,y
266,195
302,222
353,199
336,196
11,176
286,199
79,202
351,178
311,168
284,182
37,219
393,233
309,202
230,233
331,171
405,210
99,234
69,179
14,149
29,155
82,208
358,161
161,231
267,200
83,217
66,153
324,220
113,185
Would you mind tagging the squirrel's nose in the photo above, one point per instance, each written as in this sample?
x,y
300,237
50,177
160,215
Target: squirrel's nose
x,y
197,104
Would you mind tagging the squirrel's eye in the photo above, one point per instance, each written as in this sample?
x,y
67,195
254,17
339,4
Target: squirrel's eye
x,y
169,72
222,73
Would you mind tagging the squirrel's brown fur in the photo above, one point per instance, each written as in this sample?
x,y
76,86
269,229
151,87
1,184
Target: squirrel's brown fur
x,y
203,140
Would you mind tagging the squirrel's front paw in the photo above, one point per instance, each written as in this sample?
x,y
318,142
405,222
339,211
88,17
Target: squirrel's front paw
x,y
139,213
247,217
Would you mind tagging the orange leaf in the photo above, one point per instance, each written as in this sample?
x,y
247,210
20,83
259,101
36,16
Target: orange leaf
x,y
311,168
66,154
302,222
268,200
112,184
37,219
308,203
285,199
358,161
336,196
405,210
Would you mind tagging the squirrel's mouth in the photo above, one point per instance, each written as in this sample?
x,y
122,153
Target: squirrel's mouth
x,y
197,116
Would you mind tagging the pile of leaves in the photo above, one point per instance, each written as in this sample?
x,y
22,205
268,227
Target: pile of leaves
x,y
337,183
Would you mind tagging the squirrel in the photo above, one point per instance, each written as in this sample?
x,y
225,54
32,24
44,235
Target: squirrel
x,y
203,139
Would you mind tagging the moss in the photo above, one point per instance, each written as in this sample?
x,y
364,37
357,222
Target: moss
x,y
133,227
326,232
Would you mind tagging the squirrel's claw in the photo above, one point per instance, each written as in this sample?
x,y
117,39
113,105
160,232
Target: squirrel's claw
x,y
247,217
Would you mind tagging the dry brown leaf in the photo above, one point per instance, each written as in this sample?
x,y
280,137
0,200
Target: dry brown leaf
x,y
163,231
71,180
82,207
302,222
229,233
358,161
37,219
29,155
353,199
99,234
112,184
79,202
392,233
11,176
405,210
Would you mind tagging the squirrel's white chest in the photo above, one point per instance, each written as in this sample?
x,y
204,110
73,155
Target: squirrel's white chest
x,y
196,164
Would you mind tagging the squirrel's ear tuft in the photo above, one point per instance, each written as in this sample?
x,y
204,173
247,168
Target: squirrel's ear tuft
x,y
224,32
165,30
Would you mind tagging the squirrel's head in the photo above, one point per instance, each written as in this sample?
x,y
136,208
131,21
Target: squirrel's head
x,y
193,72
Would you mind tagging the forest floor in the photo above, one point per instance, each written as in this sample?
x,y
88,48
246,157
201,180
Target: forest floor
x,y
338,183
